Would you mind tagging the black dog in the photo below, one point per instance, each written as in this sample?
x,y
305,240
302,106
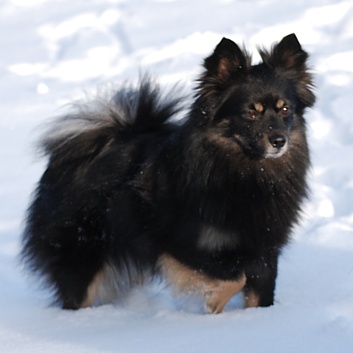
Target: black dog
x,y
207,202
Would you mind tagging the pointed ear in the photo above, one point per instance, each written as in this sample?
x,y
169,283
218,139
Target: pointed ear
x,y
289,57
289,54
226,59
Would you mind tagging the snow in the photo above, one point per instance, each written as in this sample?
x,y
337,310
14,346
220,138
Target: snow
x,y
52,51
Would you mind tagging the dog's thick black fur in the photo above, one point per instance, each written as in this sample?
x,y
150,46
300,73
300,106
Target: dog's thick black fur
x,y
219,192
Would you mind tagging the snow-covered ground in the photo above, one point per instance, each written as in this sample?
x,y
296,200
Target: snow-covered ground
x,y
52,51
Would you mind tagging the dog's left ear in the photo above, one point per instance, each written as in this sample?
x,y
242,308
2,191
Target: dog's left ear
x,y
289,57
287,54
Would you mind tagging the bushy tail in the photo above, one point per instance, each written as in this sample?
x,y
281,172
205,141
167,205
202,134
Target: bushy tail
x,y
95,124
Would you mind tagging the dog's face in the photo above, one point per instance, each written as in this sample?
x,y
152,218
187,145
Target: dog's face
x,y
257,108
258,114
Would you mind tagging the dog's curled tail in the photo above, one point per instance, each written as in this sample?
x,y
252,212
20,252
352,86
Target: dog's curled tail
x,y
95,124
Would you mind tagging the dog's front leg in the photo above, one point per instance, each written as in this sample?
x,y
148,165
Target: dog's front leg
x,y
215,292
219,292
261,283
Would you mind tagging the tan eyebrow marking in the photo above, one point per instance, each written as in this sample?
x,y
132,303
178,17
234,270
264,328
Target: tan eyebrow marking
x,y
259,107
280,104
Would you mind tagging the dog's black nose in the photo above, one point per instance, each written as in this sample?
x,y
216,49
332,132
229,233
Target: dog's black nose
x,y
278,141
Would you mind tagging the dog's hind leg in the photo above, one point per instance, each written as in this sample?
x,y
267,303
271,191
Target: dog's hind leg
x,y
104,287
77,290
215,292
93,290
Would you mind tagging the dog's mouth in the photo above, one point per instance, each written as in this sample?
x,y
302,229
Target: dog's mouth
x,y
274,146
272,152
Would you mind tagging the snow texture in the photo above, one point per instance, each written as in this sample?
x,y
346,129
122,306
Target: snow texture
x,y
52,51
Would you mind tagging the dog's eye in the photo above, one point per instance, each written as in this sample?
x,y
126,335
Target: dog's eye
x,y
249,114
285,110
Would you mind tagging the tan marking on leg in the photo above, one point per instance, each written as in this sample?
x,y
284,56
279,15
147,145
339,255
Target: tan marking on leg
x,y
216,292
93,289
222,292
280,104
106,286
259,107
252,299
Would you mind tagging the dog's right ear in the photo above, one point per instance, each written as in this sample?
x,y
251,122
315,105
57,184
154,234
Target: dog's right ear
x,y
226,60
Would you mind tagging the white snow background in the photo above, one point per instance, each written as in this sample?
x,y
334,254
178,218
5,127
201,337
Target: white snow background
x,y
52,51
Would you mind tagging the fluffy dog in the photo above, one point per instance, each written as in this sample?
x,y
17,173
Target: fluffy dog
x,y
207,202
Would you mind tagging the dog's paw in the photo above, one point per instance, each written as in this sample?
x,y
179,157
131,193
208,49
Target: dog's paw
x,y
217,298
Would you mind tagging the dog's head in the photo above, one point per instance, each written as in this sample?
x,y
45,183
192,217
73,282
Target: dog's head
x,y
258,108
